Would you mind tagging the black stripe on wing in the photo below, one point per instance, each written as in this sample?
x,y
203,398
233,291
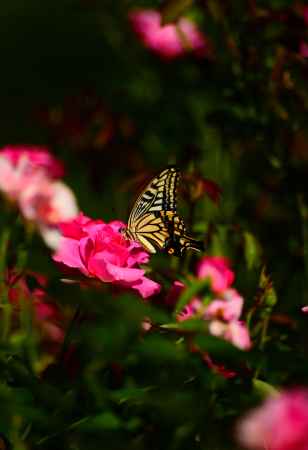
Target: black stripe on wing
x,y
159,195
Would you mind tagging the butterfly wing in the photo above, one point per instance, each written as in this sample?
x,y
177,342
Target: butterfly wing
x,y
151,231
154,221
158,195
178,241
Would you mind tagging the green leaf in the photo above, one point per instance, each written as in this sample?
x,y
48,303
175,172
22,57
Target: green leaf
x,y
252,250
187,325
264,389
219,348
269,293
107,421
172,10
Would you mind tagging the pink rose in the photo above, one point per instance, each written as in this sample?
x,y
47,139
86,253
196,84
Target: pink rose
x,y
98,250
228,308
224,311
217,270
24,166
169,41
234,332
280,423
48,203
33,157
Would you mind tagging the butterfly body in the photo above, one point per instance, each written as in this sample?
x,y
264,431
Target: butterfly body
x,y
154,221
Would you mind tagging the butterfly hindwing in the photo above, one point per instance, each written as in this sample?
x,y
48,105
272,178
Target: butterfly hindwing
x,y
154,221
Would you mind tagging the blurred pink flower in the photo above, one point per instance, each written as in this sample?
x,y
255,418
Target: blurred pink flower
x,y
174,293
28,176
228,308
223,311
217,269
190,310
234,331
305,14
32,158
305,309
168,41
48,203
303,49
280,423
98,250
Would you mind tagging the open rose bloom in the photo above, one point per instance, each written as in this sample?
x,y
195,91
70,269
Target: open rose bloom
x,y
99,251
168,41
29,177
223,312
280,423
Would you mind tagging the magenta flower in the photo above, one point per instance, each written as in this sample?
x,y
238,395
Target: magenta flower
x,y
168,41
280,423
31,158
98,250
223,311
217,269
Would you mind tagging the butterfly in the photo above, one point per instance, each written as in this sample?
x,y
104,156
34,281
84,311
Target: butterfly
x,y
154,221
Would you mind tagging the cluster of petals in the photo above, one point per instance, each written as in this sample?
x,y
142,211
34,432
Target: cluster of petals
x,y
30,176
280,423
169,41
46,315
224,310
98,250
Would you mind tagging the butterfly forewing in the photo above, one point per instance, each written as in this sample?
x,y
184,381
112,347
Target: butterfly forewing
x,y
159,195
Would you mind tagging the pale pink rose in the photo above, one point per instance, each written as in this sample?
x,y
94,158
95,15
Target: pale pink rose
x,y
305,309
303,49
22,166
169,41
280,423
48,202
13,179
98,250
217,270
228,308
34,157
234,332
